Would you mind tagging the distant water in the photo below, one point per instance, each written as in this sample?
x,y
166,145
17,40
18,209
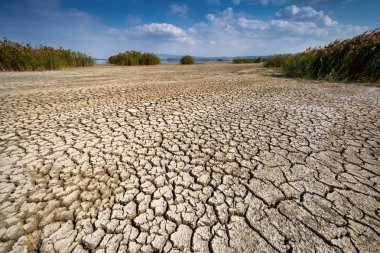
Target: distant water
x,y
101,61
176,61
171,61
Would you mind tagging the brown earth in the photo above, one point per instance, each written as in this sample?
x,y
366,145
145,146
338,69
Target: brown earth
x,y
203,158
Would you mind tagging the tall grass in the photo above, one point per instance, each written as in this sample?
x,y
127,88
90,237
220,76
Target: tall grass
x,y
187,59
277,60
132,58
247,60
20,57
356,59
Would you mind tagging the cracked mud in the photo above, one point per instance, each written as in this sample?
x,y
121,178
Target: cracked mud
x,y
204,158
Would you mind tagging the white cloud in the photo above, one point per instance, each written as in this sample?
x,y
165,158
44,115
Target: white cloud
x,y
305,13
296,27
158,28
308,2
220,33
293,29
292,20
180,10
329,21
253,24
168,31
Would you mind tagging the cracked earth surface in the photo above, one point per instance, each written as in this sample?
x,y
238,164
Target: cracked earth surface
x,y
203,158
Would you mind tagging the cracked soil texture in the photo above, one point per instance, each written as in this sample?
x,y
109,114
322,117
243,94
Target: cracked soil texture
x,y
202,158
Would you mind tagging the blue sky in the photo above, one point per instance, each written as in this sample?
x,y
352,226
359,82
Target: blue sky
x,y
202,28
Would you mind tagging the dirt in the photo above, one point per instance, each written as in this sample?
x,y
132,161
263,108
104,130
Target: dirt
x,y
202,158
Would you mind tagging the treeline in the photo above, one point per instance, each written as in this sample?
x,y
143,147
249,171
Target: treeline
x,y
356,59
20,57
132,58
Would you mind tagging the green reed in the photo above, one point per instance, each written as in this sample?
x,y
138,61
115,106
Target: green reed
x,y
23,57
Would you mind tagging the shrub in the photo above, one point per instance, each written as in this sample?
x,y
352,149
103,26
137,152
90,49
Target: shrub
x,y
259,60
356,59
277,61
149,59
187,59
247,60
132,58
20,57
242,61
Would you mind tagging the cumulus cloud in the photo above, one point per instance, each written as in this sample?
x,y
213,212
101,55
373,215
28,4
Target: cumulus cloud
x,y
293,29
157,28
225,32
296,27
253,24
232,33
308,2
177,9
163,30
292,20
305,13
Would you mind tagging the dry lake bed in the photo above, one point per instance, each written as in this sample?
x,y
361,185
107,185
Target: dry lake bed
x,y
202,158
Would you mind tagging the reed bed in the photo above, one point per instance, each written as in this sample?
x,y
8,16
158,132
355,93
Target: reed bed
x,y
356,59
247,60
277,60
132,58
187,60
23,57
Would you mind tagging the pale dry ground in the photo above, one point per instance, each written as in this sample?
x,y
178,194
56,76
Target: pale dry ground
x,y
204,158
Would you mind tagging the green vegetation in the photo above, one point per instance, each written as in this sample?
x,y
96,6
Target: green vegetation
x,y
132,58
247,60
187,59
277,60
243,61
356,59
19,57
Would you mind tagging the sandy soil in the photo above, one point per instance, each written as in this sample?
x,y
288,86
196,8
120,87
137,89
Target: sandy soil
x,y
203,158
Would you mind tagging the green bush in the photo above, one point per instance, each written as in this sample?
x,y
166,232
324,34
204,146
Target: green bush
x,y
259,60
247,60
242,61
132,58
356,59
187,59
20,57
277,60
149,59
